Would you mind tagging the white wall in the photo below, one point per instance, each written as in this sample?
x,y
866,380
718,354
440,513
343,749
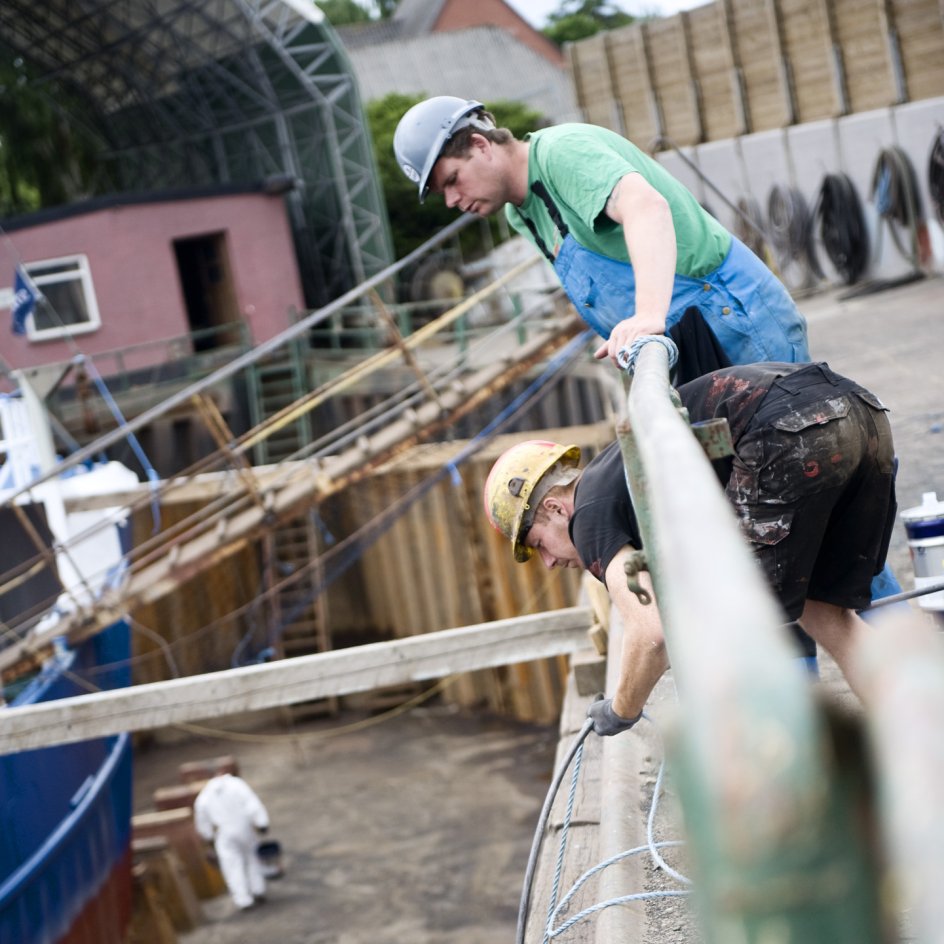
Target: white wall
x,y
802,155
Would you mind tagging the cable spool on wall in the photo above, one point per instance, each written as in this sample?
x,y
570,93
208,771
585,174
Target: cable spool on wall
x,y
898,201
790,230
749,226
842,227
936,174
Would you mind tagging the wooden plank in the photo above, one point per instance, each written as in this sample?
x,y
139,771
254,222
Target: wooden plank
x,y
672,79
754,39
628,69
920,27
818,79
735,66
251,688
698,103
714,69
860,29
591,70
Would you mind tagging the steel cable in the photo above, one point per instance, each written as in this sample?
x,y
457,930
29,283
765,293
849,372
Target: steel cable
x,y
842,227
572,752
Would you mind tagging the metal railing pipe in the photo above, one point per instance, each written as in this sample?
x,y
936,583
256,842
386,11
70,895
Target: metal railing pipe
x,y
901,664
775,852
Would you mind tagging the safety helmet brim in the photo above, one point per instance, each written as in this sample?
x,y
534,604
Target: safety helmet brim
x,y
425,128
512,483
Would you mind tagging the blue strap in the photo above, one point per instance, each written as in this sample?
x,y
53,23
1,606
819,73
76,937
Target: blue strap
x,y
149,470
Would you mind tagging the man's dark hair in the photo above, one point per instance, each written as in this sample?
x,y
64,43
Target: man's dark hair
x,y
458,145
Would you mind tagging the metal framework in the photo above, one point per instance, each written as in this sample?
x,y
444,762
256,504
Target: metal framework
x,y
183,93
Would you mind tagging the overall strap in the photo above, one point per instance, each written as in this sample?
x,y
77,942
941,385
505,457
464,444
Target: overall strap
x,y
540,191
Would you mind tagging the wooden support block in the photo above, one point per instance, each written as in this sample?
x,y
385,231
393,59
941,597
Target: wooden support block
x,y
589,670
383,699
177,795
600,638
177,827
205,769
149,923
166,872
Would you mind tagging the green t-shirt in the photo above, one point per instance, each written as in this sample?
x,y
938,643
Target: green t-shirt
x,y
579,165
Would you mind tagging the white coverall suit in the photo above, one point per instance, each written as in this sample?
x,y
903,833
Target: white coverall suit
x,y
228,811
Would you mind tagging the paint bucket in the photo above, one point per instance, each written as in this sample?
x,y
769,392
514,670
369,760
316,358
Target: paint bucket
x,y
924,525
269,854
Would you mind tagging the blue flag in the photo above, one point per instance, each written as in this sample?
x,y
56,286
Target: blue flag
x,y
25,297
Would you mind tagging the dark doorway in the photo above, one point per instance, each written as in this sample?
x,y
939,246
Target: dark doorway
x,y
207,283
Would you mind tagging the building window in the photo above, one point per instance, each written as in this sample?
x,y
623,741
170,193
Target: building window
x,y
68,305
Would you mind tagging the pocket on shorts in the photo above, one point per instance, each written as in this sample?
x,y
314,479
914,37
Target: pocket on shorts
x,y
766,528
813,414
873,401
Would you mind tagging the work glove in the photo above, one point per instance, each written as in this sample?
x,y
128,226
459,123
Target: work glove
x,y
606,722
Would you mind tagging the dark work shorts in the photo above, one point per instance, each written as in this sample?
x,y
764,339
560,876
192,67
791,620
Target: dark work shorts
x,y
813,484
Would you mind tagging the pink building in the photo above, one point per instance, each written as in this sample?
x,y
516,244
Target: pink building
x,y
126,272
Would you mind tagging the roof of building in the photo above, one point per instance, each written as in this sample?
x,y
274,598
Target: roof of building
x,y
484,62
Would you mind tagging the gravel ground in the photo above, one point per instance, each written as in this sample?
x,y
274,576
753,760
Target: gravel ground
x,y
408,829
418,830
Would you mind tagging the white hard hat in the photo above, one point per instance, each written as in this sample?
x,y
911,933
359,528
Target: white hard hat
x,y
425,128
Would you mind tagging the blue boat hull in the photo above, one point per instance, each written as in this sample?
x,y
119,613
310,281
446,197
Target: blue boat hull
x,y
65,816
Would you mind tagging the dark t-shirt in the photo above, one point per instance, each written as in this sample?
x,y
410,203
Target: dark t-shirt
x,y
604,521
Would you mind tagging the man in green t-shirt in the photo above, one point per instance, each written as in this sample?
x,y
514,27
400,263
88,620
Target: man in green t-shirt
x,y
632,247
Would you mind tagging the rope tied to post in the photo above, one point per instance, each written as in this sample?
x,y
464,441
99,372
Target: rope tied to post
x,y
626,356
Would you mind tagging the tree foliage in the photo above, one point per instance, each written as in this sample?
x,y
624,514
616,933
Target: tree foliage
x,y
44,160
343,12
412,223
347,12
578,19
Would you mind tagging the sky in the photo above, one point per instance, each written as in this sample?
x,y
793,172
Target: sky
x,y
536,11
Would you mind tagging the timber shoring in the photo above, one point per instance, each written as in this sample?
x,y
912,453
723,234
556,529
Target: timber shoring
x,y
215,540
734,67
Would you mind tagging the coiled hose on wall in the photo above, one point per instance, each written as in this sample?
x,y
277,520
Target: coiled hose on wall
x,y
896,197
749,226
790,229
936,174
842,227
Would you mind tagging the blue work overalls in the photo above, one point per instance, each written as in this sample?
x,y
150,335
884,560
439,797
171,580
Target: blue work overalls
x,y
749,310
745,305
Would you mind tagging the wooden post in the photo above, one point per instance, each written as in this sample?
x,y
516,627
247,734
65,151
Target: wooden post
x,y
838,62
729,32
693,81
775,17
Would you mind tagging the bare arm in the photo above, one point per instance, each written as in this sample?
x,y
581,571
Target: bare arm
x,y
649,232
643,659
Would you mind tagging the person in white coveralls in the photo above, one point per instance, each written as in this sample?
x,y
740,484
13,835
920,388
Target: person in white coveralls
x,y
228,813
